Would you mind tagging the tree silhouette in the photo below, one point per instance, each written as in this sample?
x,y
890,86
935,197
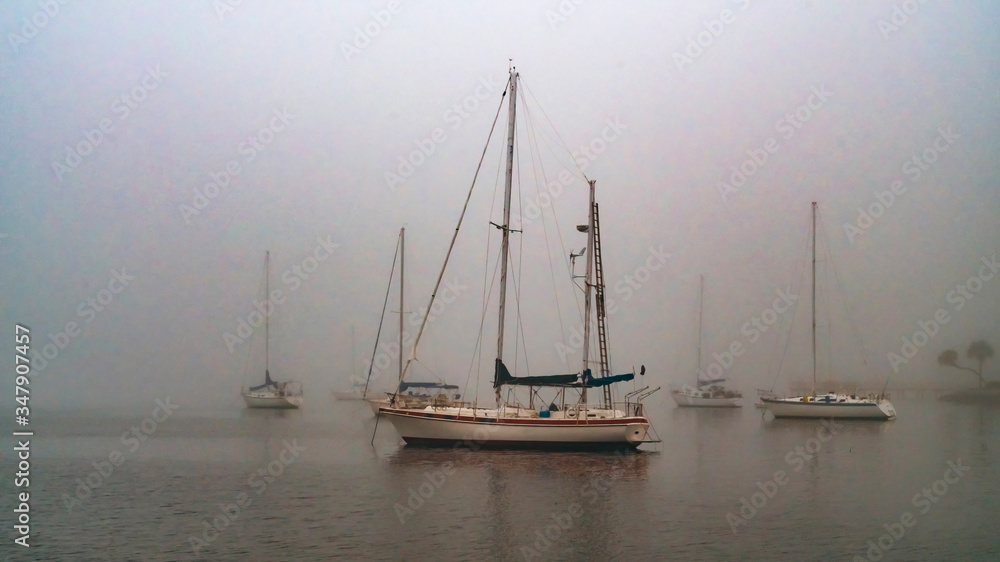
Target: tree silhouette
x,y
979,350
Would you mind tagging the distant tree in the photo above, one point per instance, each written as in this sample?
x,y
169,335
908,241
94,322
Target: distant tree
x,y
979,351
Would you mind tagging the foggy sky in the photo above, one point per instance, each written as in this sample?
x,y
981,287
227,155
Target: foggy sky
x,y
885,82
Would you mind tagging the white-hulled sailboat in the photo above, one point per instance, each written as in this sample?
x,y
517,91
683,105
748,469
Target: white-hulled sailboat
x,y
830,404
578,425
707,393
408,394
271,394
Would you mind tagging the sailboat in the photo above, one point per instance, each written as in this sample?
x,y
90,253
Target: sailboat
x,y
562,425
357,391
831,404
408,394
271,394
419,395
705,393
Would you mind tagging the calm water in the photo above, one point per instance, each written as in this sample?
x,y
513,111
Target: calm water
x,y
307,485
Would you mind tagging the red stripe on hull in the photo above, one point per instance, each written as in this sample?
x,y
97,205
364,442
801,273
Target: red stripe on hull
x,y
523,445
542,422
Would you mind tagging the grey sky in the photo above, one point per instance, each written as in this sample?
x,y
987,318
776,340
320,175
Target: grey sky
x,y
333,114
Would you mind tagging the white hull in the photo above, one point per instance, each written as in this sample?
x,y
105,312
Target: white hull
x,y
458,426
411,402
262,400
839,406
376,403
684,401
706,397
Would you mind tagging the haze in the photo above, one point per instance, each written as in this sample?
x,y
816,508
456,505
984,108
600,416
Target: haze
x,y
830,102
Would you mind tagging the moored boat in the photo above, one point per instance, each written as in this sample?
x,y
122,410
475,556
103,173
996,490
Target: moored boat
x,y
271,394
831,404
564,423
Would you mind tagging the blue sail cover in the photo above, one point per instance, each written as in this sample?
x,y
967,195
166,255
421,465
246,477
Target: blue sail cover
x,y
590,381
267,381
406,385
503,377
702,383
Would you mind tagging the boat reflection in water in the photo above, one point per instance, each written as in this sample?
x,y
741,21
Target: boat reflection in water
x,y
531,504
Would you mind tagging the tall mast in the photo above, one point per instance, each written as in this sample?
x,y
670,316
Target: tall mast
x,y
402,253
505,228
814,295
267,295
587,284
701,300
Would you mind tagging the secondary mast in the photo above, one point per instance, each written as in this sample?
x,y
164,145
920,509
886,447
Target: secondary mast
x,y
814,295
267,295
402,253
587,284
701,299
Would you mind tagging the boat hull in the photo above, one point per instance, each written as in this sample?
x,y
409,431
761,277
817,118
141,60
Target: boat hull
x,y
276,402
438,427
687,401
797,408
376,403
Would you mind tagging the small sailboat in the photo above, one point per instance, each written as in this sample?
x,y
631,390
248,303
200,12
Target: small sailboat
x,y
831,404
420,395
705,393
357,391
569,420
271,394
408,394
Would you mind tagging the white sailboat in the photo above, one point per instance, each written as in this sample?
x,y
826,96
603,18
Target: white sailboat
x,y
705,393
357,391
271,394
830,404
408,394
578,425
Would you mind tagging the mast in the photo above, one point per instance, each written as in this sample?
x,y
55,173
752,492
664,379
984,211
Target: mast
x,y
505,227
587,284
814,295
701,300
267,291
402,253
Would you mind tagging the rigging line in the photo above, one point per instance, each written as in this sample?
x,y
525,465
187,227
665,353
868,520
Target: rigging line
x,y
545,139
545,231
451,246
556,131
381,319
517,261
516,278
847,310
246,365
773,354
433,374
791,327
827,297
562,244
477,354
